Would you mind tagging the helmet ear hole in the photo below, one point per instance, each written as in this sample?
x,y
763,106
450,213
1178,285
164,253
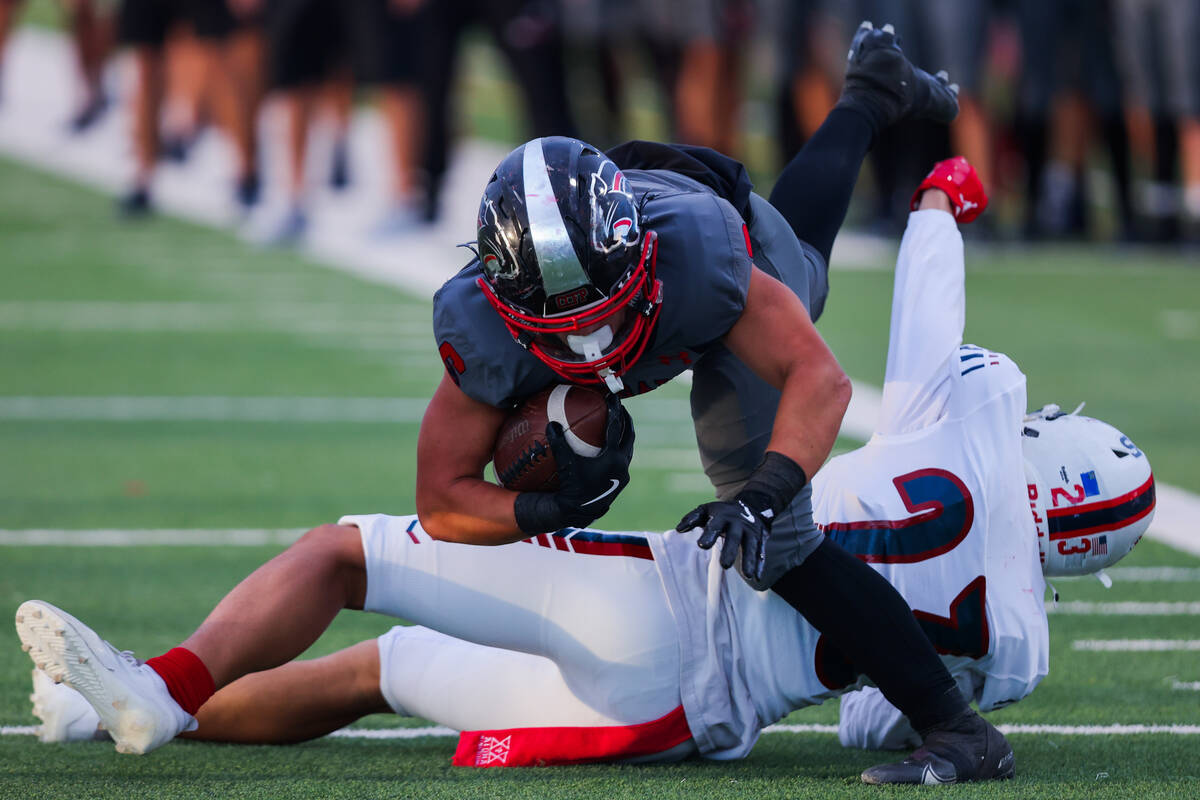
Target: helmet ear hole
x,y
1120,453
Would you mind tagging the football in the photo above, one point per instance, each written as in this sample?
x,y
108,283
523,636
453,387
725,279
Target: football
x,y
522,458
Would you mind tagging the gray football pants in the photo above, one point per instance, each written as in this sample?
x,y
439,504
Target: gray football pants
x,y
734,410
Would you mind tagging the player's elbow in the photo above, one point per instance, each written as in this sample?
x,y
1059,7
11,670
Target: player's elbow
x,y
835,385
433,513
840,389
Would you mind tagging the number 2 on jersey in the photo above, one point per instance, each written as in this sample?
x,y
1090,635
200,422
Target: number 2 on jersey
x,y
946,511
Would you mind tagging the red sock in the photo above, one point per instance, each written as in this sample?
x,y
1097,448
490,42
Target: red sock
x,y
186,677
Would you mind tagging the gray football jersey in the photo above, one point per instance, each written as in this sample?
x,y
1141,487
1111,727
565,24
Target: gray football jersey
x,y
703,263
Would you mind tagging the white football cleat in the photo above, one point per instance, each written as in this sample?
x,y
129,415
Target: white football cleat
x,y
66,716
130,698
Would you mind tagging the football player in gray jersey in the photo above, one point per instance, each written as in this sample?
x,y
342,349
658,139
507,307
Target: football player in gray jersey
x,y
624,269
623,272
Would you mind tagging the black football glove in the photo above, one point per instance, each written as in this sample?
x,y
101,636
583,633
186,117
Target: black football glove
x,y
744,523
588,485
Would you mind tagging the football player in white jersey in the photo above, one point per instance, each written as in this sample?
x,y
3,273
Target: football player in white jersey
x,y
587,646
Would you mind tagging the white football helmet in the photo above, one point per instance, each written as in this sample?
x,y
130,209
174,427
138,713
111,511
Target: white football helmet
x,y
1091,491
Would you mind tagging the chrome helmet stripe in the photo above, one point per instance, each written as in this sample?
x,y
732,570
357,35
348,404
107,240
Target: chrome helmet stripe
x,y
560,267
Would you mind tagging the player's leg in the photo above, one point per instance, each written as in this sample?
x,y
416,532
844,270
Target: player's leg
x,y
813,190
591,602
519,709
283,606
295,702
268,619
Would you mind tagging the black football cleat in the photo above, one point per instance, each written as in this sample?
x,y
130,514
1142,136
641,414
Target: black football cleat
x,y
968,749
883,82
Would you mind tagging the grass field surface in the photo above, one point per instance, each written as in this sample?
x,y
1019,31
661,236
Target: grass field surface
x,y
162,375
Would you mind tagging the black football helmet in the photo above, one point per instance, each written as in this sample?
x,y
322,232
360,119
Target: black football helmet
x,y
565,261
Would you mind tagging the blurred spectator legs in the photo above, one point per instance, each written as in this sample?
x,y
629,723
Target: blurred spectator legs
x,y
145,25
238,100
528,35
91,26
92,34
313,45
1156,43
8,19
1069,79
955,37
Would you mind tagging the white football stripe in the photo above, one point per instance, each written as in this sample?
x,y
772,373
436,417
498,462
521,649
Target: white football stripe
x,y
556,411
1136,645
1126,609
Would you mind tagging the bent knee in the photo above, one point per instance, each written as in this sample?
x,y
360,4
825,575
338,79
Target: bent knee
x,y
340,547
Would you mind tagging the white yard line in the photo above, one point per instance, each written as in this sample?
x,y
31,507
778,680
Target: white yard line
x,y
1186,686
39,85
1126,609
190,537
441,732
1137,645
1154,574
217,409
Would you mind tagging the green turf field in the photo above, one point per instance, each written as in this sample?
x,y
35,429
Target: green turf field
x,y
90,309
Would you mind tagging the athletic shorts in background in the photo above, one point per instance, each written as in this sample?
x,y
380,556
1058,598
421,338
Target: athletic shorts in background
x,y
147,22
310,40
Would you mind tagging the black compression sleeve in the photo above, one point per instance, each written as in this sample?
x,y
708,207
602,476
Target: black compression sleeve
x,y
813,191
867,620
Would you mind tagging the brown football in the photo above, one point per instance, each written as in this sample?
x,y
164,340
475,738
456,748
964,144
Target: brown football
x,y
522,458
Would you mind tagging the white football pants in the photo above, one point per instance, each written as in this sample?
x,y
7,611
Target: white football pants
x,y
547,632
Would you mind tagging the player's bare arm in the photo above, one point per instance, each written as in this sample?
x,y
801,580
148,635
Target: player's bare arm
x,y
455,445
814,395
797,362
454,500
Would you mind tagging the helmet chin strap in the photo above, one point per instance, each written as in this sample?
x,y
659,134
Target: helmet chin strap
x,y
591,346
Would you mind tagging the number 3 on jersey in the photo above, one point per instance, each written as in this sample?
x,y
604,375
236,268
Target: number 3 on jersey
x,y
963,633
944,512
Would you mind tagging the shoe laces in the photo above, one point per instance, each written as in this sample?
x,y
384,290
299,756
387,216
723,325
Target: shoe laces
x,y
126,655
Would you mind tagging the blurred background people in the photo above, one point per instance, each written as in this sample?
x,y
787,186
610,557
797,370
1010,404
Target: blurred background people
x,y
1069,92
1156,41
319,51
91,25
145,26
1067,106
529,34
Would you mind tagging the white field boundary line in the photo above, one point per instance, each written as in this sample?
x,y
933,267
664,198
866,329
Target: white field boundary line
x,y
1008,730
1137,645
149,537
1150,575
1126,609
38,87
1186,686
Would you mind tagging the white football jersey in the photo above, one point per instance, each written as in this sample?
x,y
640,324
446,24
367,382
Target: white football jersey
x,y
935,501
